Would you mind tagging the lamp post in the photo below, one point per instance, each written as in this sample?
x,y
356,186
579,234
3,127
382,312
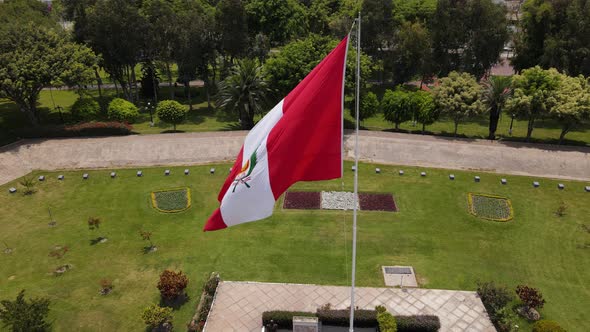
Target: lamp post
x,y
511,123
149,107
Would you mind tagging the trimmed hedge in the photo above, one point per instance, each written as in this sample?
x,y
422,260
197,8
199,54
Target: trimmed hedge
x,y
85,109
283,319
420,323
77,130
122,110
362,318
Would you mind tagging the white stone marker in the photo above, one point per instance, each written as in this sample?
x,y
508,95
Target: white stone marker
x,y
561,186
378,170
186,171
85,176
113,174
423,174
212,171
42,178
477,178
60,177
536,184
12,190
452,177
353,168
587,188
167,172
504,181
139,173
401,172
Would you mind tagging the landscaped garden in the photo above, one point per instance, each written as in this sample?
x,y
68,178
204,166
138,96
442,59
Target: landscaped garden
x,y
106,285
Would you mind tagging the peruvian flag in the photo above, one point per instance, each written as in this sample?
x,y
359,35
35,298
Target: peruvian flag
x,y
300,139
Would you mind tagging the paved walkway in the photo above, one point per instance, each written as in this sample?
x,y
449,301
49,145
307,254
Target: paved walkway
x,y
238,306
20,158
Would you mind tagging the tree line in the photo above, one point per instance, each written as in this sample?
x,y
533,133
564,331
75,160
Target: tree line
x,y
227,43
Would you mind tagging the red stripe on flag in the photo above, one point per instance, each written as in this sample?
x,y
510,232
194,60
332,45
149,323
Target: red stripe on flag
x,y
215,222
305,145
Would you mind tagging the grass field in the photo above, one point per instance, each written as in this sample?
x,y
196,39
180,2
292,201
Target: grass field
x,y
433,232
204,119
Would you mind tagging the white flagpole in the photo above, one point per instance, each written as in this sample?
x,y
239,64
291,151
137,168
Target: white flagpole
x,y
356,168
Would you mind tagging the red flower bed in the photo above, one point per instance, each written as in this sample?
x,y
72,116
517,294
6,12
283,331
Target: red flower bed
x,y
303,200
377,202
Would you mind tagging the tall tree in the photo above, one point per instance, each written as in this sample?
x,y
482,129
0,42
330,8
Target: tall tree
x,y
496,91
280,20
163,33
244,91
232,24
468,35
458,96
33,57
533,94
426,111
24,315
554,33
411,53
369,105
116,30
572,103
414,10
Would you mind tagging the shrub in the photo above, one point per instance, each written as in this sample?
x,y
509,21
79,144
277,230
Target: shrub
x,y
23,315
283,319
93,223
81,129
545,325
561,210
362,318
29,185
506,320
386,320
172,284
106,286
155,316
531,297
494,298
171,111
421,323
85,109
122,110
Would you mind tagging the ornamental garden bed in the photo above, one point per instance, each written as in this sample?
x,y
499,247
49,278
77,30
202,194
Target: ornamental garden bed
x,y
490,207
336,200
171,200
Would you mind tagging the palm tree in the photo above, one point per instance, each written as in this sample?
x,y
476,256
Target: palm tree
x,y
496,91
244,90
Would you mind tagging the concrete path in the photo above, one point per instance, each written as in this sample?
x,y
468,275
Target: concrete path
x,y
238,306
20,158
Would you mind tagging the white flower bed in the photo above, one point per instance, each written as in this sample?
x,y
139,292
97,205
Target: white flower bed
x,y
338,200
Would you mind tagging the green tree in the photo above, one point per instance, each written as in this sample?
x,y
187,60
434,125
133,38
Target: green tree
x,y
396,106
413,10
116,30
377,25
26,12
556,34
411,53
280,20
369,105
458,96
244,91
468,35
572,104
426,111
533,95
24,315
162,35
33,57
232,25
171,111
496,91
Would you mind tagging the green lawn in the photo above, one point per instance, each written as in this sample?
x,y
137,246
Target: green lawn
x,y
433,232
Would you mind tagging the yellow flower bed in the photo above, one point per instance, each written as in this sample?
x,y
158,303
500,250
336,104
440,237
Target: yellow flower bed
x,y
490,207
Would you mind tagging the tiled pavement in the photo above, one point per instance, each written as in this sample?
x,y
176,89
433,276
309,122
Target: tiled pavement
x,y
238,306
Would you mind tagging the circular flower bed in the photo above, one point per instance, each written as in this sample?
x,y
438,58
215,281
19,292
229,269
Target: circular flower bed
x,y
490,207
171,200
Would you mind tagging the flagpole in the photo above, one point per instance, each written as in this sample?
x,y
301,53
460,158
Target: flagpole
x,y
356,169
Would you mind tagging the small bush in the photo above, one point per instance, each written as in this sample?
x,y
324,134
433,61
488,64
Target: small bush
x,y
494,298
122,110
283,319
172,284
85,109
78,130
386,320
106,286
25,315
171,111
530,297
561,210
547,326
362,318
421,323
155,316
506,320
29,184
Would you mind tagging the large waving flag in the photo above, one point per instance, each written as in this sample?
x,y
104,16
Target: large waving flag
x,y
300,139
